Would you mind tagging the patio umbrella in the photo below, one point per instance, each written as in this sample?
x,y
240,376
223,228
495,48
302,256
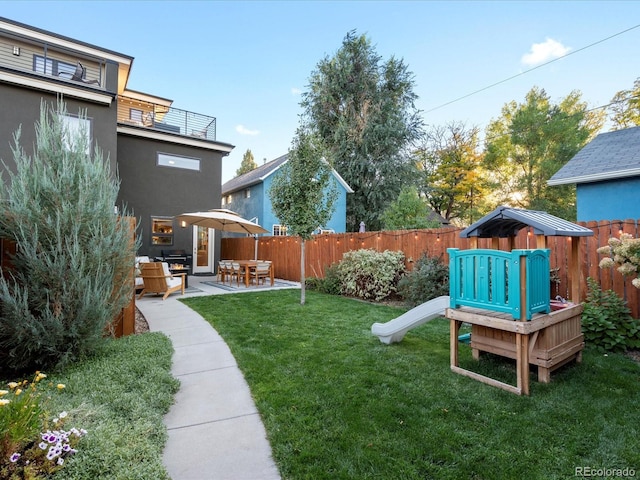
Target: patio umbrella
x,y
221,219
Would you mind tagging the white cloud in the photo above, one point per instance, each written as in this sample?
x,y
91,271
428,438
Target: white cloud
x,y
295,91
544,52
242,130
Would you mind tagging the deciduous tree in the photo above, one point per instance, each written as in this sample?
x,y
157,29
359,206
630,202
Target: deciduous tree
x,y
408,211
533,140
363,108
625,107
452,177
302,192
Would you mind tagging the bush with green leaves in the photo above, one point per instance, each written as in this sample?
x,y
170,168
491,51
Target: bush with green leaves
x,y
369,274
74,256
329,284
607,323
428,279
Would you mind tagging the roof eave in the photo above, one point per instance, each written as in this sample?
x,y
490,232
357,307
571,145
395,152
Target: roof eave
x,y
595,177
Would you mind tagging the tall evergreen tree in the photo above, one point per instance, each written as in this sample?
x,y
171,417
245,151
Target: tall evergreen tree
x,y
364,109
74,259
302,194
248,164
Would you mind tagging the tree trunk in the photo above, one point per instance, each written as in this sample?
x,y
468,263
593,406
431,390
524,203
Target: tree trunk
x,y
302,289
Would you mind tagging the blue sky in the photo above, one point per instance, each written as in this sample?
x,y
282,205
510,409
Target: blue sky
x,y
246,62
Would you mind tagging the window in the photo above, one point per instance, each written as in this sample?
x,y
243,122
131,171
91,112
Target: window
x,y
161,231
224,201
135,115
176,161
51,66
279,230
229,198
247,193
75,125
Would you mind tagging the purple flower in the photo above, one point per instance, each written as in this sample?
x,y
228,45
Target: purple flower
x,y
60,461
42,445
14,458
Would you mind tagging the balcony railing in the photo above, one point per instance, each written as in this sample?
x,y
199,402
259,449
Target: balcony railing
x,y
139,113
41,59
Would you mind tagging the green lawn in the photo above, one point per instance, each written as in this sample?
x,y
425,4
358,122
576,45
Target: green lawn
x,y
339,404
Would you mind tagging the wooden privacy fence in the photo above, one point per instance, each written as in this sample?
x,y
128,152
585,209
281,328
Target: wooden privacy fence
x,y
326,249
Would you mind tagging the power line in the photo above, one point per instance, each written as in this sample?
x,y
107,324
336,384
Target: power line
x,y
531,69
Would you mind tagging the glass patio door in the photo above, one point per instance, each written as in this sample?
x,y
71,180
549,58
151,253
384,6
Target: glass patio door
x,y
203,249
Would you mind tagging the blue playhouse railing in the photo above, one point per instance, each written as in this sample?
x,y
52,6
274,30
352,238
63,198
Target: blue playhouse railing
x,y
491,279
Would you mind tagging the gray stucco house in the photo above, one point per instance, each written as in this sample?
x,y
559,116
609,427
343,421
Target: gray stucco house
x,y
607,176
248,195
168,160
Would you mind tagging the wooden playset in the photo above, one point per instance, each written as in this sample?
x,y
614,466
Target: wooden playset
x,y
505,297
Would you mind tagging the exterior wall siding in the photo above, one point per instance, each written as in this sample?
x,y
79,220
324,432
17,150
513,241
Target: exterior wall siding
x,y
21,108
151,190
609,200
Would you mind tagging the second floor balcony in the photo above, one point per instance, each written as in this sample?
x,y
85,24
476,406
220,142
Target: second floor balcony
x,y
145,114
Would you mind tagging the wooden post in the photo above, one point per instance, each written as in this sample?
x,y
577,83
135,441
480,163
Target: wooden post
x,y
454,330
541,241
574,270
522,340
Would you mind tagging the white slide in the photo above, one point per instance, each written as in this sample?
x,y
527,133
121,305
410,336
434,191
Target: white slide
x,y
395,330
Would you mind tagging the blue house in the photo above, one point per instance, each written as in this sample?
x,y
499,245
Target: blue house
x,y
248,195
607,176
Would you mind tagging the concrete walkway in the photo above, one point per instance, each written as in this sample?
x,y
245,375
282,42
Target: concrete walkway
x,y
215,430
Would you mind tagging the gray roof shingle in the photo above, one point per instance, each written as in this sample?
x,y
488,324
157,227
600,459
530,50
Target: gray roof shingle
x,y
253,177
609,156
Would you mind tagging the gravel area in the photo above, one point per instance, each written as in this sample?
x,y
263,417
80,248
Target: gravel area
x,y
141,322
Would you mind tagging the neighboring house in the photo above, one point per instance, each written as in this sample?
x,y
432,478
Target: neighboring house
x,y
168,160
607,176
248,195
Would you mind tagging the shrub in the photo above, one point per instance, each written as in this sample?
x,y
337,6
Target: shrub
x,y
370,275
68,280
625,255
329,284
428,279
606,321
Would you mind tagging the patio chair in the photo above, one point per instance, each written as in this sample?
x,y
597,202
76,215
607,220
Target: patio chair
x,y
158,279
237,271
224,269
138,282
262,271
79,74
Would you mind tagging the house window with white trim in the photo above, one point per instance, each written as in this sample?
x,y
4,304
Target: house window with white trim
x,y
279,230
247,193
73,126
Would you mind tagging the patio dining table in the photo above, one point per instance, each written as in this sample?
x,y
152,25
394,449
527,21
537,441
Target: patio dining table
x,y
249,266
